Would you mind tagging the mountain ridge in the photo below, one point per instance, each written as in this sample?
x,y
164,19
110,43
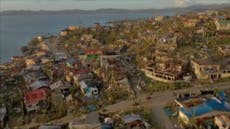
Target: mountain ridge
x,y
117,10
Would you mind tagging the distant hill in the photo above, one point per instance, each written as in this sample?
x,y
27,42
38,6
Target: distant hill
x,y
154,11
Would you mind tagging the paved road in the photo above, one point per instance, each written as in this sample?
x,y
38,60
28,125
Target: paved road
x,y
157,104
159,100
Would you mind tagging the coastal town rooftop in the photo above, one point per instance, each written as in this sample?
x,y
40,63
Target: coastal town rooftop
x,y
203,106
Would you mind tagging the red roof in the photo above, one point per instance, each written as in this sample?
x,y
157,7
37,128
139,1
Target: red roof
x,y
90,52
33,97
112,62
81,71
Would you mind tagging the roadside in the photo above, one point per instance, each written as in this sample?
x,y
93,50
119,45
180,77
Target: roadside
x,y
157,103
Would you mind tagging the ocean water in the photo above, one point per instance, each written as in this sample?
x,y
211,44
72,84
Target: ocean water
x,y
17,30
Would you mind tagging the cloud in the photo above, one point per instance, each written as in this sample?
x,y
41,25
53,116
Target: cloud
x,y
180,3
96,4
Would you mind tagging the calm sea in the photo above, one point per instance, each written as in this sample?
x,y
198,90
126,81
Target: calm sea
x,y
18,30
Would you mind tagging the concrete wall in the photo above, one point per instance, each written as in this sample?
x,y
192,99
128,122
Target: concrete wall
x,y
183,118
199,70
153,76
222,27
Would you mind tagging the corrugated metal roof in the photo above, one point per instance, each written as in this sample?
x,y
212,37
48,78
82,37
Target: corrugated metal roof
x,y
131,118
33,97
196,111
213,104
223,96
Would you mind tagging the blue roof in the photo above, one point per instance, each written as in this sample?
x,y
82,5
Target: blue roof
x,y
220,17
196,111
81,52
219,106
92,108
106,126
210,105
72,60
222,96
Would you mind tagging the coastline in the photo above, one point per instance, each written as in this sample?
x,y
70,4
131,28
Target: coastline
x,y
25,38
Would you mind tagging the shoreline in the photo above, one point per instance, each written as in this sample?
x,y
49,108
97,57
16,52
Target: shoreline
x,y
108,22
85,26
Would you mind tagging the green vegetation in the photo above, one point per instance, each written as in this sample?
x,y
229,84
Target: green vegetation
x,y
161,86
149,42
111,96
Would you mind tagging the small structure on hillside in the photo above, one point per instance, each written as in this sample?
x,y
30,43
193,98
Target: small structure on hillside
x,y
132,121
39,84
33,98
66,31
91,58
90,87
60,56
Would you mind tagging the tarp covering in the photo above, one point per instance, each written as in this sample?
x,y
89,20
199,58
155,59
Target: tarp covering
x,y
213,104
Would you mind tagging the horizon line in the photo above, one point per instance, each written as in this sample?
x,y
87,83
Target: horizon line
x,y
127,9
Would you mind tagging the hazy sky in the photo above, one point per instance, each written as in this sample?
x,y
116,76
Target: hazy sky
x,y
96,4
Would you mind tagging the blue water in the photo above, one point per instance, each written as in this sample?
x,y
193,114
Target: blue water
x,y
18,30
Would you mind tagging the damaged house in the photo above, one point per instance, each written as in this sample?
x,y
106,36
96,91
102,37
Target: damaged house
x,y
90,87
91,58
133,121
169,71
33,99
86,80
162,66
209,69
224,49
200,109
